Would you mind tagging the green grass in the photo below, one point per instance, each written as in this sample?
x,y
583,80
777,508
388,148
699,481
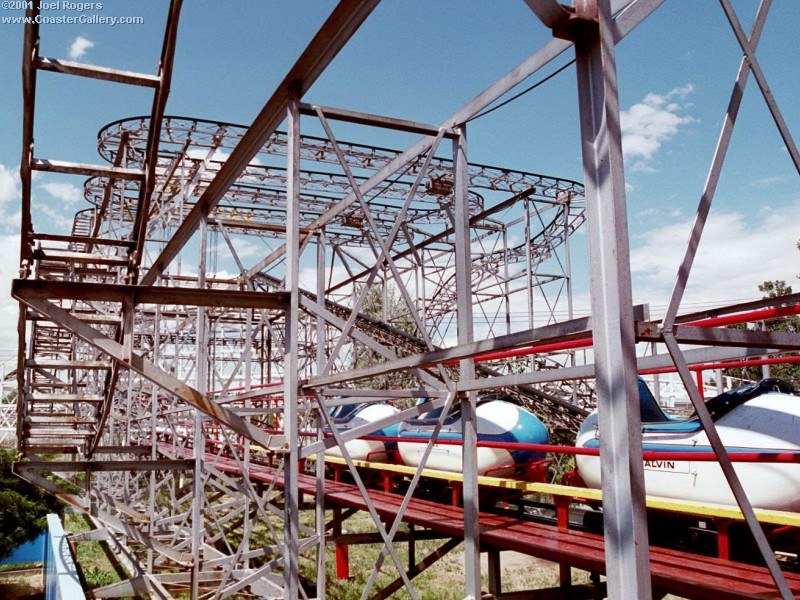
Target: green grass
x,y
443,581
20,566
96,563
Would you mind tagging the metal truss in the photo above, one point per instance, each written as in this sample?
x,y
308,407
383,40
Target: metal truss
x,y
177,393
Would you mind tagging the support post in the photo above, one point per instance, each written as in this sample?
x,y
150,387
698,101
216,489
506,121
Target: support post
x,y
463,262
495,572
626,541
199,444
291,362
320,472
342,550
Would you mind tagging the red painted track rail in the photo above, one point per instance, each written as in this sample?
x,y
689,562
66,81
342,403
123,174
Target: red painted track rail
x,y
673,571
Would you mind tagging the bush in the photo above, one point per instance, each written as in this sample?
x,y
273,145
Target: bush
x,y
23,507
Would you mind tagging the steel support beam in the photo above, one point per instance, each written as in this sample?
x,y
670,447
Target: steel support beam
x,y
154,135
561,331
587,371
333,35
319,513
340,26
151,372
633,14
111,292
291,360
624,516
726,465
359,118
198,438
75,68
101,466
714,171
469,419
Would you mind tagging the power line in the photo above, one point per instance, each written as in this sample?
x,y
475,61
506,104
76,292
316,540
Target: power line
x,y
523,92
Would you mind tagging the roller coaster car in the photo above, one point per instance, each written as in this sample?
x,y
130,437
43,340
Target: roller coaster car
x,y
762,417
355,415
499,419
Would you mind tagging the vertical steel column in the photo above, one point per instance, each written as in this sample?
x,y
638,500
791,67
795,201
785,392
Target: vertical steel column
x,y
320,473
291,360
201,374
568,279
568,264
151,500
463,262
248,375
506,282
529,264
656,378
626,542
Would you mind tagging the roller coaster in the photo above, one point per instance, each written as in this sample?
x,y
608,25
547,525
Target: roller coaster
x,y
249,324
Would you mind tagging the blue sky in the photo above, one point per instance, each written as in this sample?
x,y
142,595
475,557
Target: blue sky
x,y
422,59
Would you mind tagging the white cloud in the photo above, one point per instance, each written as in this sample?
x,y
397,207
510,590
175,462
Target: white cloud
x,y
66,192
244,249
648,124
736,254
79,47
201,153
60,216
767,182
9,184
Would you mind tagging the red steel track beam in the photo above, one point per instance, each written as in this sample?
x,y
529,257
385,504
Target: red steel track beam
x,y
746,317
733,364
763,314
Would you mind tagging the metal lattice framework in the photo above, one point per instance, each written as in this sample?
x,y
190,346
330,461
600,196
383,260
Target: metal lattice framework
x,y
189,388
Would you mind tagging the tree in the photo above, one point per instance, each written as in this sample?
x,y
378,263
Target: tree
x,y
23,507
789,371
388,307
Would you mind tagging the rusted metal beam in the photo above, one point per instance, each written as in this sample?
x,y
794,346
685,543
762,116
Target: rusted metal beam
x,y
154,135
79,239
74,68
635,12
718,336
151,372
24,289
359,118
343,22
109,189
43,363
558,331
110,521
242,224
76,466
30,51
549,12
81,258
73,168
